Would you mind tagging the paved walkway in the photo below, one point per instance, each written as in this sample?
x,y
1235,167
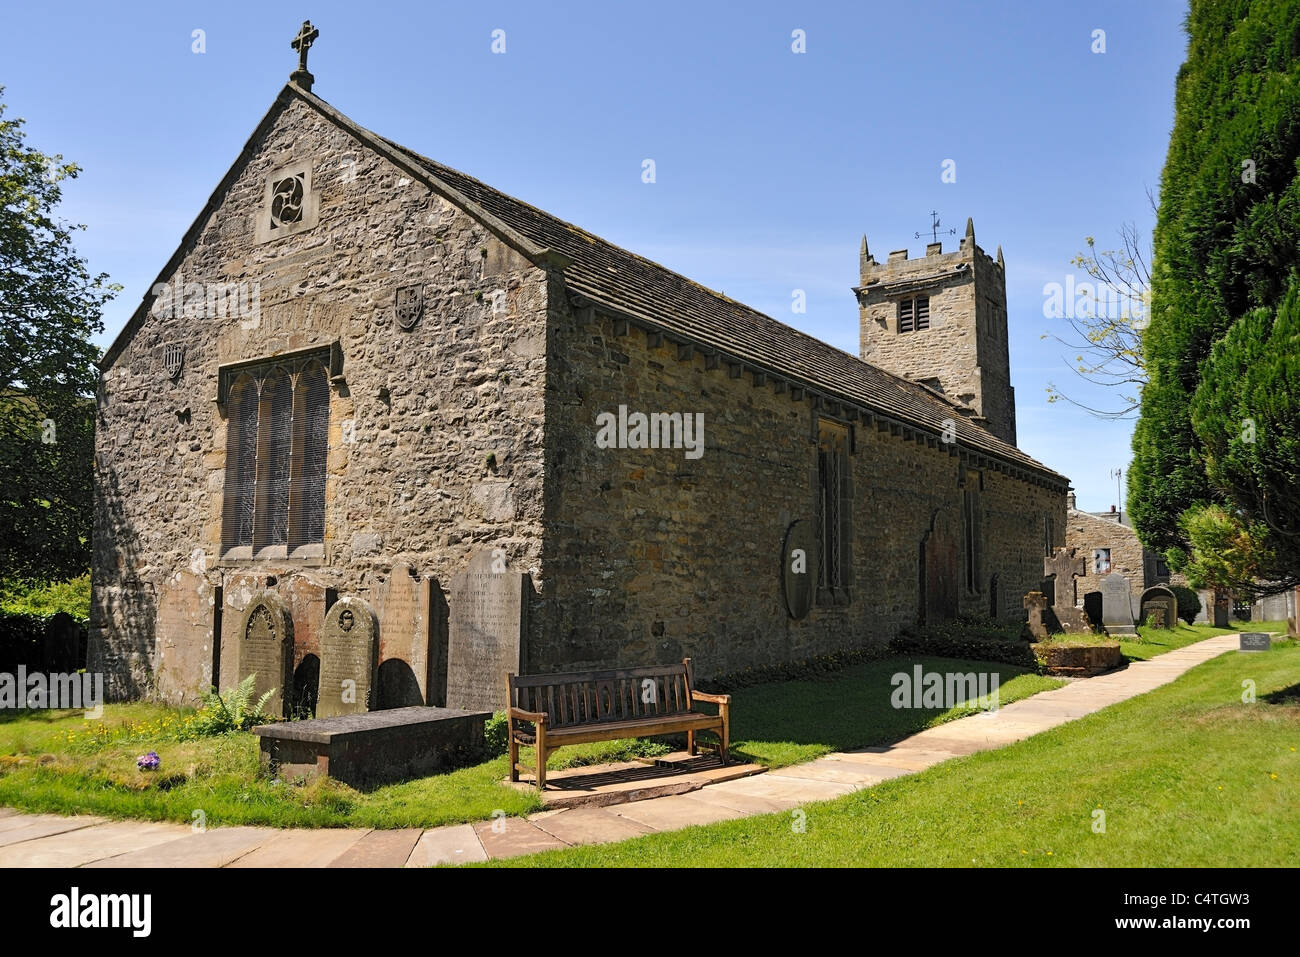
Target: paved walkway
x,y
48,840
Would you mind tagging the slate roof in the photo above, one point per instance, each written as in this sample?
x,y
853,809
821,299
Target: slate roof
x,y
654,296
639,288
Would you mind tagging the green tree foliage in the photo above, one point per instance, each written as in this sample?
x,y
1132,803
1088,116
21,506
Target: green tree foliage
x,y
1219,420
1223,553
50,307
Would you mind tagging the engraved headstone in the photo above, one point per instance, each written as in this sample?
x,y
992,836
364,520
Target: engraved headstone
x,y
798,569
349,654
1159,607
1063,567
1222,608
1117,605
412,641
487,617
266,649
1255,641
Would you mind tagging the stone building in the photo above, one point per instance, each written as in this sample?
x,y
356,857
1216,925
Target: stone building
x,y
362,369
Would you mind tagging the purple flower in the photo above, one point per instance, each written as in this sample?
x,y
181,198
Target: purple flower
x,y
149,762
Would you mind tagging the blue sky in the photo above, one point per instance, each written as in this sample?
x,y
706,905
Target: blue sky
x,y
770,165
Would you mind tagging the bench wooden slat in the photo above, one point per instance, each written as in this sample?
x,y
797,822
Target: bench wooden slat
x,y
655,671
605,705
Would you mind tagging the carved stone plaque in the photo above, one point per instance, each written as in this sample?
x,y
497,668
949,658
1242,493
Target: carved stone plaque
x,y
410,305
798,568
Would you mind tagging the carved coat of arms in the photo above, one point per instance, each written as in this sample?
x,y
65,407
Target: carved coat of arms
x,y
410,305
173,359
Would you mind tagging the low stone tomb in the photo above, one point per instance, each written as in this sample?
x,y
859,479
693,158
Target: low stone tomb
x,y
375,747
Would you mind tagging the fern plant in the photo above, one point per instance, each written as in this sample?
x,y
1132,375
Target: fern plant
x,y
232,710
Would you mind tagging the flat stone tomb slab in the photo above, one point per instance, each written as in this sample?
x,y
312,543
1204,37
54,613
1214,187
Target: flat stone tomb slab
x,y
375,747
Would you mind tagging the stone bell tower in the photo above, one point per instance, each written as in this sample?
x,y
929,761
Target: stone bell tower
x,y
942,321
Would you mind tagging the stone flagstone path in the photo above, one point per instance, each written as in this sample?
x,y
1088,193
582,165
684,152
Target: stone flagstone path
x,y
49,840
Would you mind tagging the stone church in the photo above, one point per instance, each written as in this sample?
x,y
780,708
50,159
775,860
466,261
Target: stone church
x,y
362,371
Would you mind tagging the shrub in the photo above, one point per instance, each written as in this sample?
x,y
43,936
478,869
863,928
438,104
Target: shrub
x,y
229,711
496,734
46,599
1189,603
977,637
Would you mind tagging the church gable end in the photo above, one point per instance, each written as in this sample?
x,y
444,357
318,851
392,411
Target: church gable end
x,y
313,386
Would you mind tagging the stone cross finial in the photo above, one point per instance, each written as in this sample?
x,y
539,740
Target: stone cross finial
x,y
307,35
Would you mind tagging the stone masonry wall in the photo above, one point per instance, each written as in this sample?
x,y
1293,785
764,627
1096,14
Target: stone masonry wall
x,y
650,556
441,454
1087,532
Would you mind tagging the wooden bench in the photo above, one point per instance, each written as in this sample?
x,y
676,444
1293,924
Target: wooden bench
x,y
587,706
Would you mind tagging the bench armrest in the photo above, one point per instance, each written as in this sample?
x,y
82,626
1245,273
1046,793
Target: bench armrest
x,y
537,717
710,698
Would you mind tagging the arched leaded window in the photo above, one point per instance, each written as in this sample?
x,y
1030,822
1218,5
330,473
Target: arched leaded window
x,y
275,446
311,422
277,421
241,465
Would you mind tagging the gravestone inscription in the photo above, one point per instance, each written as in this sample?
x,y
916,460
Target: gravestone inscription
x,y
1117,605
487,607
266,649
349,654
1255,641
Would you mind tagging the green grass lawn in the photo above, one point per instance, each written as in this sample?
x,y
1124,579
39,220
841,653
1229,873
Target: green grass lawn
x,y
1156,641
59,762
1187,775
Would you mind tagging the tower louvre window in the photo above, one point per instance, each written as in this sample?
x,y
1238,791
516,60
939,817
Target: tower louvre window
x,y
914,314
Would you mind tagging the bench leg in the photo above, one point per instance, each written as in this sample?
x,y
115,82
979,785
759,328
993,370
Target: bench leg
x,y
725,735
541,757
514,756
690,743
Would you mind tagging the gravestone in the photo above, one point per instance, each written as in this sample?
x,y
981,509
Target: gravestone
x,y
237,594
938,572
1255,641
1036,603
412,641
266,649
183,635
1117,606
1222,606
308,601
487,608
1159,606
349,654
1063,567
798,568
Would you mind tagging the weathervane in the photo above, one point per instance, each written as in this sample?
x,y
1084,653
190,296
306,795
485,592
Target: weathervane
x,y
302,43
935,226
